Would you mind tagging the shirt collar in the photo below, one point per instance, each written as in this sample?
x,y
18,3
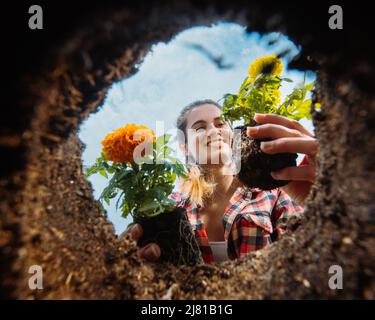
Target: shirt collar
x,y
239,200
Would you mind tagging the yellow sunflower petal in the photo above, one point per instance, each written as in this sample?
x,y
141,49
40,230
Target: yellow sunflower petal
x,y
259,66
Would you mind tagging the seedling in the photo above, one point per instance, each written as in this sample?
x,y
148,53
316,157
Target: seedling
x,y
260,93
143,172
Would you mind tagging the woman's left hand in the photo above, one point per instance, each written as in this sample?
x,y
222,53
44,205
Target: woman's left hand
x,y
288,136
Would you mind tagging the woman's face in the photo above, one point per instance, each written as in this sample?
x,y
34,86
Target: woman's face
x,y
208,138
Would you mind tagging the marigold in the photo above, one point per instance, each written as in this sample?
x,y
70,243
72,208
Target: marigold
x,y
268,64
119,145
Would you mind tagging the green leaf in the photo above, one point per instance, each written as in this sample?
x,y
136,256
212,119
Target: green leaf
x,y
309,86
162,140
135,166
119,199
287,79
111,169
103,173
106,199
149,206
167,150
93,169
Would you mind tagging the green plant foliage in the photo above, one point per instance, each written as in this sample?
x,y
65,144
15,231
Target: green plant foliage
x,y
144,186
263,96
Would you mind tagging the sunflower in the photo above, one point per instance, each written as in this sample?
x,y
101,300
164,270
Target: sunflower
x,y
266,65
119,145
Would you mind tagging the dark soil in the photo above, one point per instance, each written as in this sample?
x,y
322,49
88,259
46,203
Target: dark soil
x,y
256,166
171,230
48,214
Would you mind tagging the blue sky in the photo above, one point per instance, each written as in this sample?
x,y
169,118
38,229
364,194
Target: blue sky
x,y
171,76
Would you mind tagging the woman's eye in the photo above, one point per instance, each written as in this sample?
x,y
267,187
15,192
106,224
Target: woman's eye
x,y
199,129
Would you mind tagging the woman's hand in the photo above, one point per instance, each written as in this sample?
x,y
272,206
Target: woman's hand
x,y
288,136
151,251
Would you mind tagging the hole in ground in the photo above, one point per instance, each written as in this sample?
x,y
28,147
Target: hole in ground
x,y
175,74
65,232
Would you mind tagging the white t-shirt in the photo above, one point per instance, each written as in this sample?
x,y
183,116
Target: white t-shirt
x,y
219,250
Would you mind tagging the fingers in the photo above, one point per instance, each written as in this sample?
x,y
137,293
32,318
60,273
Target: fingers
x,y
150,252
262,118
301,173
135,231
272,131
287,135
292,145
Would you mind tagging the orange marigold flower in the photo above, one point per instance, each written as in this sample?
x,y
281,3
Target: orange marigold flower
x,y
119,145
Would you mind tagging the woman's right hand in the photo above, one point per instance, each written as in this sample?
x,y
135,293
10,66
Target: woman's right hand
x,y
151,251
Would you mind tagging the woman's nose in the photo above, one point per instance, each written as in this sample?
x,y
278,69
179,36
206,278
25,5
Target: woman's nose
x,y
213,131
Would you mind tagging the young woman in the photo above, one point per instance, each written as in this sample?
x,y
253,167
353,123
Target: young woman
x,y
229,219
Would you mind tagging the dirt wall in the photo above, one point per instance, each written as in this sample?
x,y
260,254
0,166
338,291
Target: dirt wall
x,y
49,218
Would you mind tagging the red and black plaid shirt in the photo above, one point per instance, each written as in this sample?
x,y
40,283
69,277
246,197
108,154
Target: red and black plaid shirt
x,y
252,220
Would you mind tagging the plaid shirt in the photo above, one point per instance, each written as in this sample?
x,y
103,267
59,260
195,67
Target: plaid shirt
x,y
252,220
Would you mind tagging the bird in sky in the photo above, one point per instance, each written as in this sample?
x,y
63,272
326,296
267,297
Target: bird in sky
x,y
217,60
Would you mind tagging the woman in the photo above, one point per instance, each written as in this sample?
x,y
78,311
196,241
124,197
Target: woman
x,y
229,219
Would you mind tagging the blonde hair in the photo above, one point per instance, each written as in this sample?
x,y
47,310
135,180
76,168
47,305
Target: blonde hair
x,y
197,185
